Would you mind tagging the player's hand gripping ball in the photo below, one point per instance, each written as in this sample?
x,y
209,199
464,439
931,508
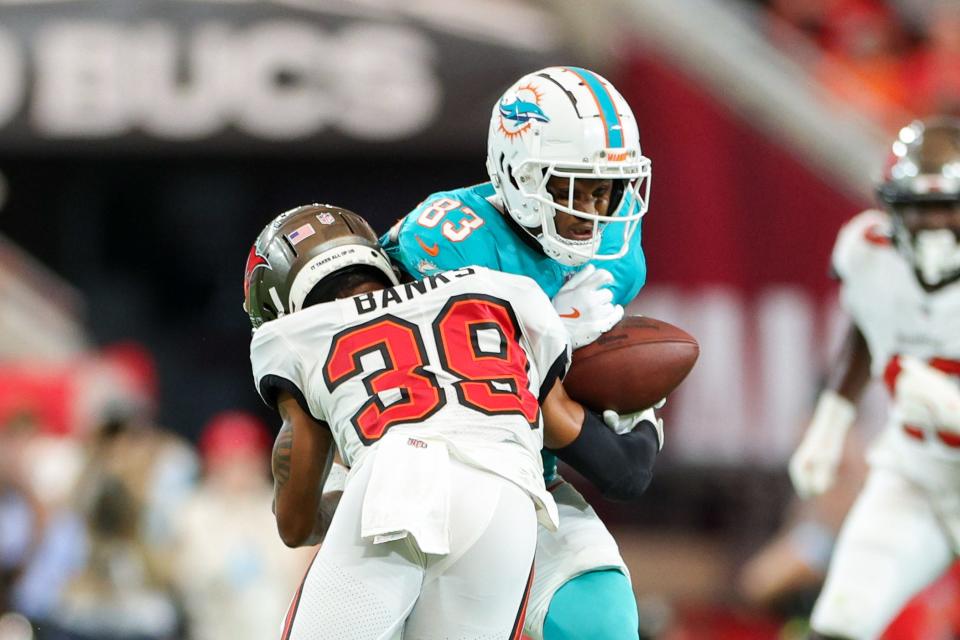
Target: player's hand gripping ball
x,y
585,305
632,366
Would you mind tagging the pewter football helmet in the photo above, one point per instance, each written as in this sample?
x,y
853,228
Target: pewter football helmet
x,y
924,173
298,249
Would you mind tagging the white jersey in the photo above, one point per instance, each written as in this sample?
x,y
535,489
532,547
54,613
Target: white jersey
x,y
463,357
894,313
882,293
904,529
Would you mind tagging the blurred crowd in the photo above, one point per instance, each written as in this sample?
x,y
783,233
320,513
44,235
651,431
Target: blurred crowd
x,y
114,528
891,59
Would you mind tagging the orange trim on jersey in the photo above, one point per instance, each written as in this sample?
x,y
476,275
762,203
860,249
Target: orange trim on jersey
x,y
295,603
517,632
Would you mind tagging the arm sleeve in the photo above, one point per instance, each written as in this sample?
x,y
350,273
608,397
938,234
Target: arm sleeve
x,y
621,466
277,367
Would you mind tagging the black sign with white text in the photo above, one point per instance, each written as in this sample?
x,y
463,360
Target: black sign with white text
x,y
249,76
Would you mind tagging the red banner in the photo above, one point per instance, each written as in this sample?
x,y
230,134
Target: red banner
x,y
738,240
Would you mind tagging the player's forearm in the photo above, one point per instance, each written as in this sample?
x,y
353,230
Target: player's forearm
x,y
292,494
562,418
303,514
301,456
333,486
324,516
850,373
813,467
621,466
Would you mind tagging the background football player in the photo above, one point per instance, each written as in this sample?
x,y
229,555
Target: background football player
x,y
568,188
431,391
900,274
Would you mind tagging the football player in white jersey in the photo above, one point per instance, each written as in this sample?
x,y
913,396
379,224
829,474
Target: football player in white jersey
x,y
900,274
433,392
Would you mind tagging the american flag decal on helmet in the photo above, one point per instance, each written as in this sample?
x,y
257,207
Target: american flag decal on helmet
x,y
300,234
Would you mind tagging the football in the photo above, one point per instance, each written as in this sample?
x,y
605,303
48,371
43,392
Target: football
x,y
632,366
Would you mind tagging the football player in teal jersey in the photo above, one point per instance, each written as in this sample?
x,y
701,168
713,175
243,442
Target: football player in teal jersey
x,y
568,188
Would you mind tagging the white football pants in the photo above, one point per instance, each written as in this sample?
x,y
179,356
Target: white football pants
x,y
894,542
355,590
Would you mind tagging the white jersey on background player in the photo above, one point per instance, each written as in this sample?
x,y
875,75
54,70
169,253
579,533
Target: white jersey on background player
x,y
900,286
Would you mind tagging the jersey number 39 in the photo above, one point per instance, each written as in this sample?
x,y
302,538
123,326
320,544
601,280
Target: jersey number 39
x,y
492,381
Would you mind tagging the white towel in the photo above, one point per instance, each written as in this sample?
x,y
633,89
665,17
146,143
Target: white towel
x,y
409,493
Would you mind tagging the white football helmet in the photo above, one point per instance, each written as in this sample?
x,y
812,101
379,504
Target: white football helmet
x,y
924,170
571,123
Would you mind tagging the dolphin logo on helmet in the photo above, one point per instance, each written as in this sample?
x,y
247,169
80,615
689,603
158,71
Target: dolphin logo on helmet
x,y
522,111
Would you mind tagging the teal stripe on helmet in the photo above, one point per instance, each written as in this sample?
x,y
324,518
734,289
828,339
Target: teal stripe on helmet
x,y
608,110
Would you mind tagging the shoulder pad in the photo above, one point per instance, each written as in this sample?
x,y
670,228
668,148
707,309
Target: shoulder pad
x,y
866,233
276,366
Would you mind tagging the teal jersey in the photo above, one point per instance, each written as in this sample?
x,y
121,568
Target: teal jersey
x,y
453,229
459,228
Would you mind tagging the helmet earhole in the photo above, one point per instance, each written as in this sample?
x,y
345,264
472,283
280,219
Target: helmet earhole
x,y
513,180
290,245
